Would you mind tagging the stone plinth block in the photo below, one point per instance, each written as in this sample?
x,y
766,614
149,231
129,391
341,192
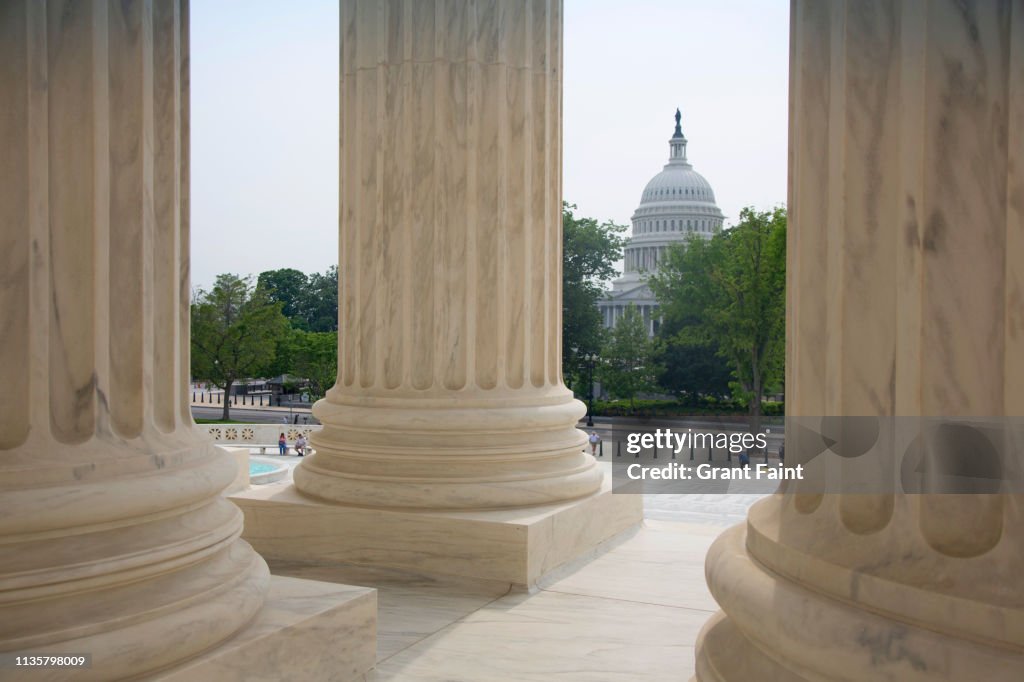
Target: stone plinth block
x,y
517,546
307,630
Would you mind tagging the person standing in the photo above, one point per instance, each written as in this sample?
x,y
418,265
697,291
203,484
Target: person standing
x,y
282,444
594,441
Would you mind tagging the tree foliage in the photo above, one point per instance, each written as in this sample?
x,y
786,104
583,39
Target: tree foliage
x,y
235,330
628,366
589,253
310,355
322,302
691,369
288,287
730,291
309,302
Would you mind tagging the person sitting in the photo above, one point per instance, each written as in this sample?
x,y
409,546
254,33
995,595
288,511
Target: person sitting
x,y
300,446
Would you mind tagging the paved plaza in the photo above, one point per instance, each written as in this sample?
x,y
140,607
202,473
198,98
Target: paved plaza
x,y
581,623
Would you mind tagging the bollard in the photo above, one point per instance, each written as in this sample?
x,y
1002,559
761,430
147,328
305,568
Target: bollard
x,y
691,452
618,448
600,448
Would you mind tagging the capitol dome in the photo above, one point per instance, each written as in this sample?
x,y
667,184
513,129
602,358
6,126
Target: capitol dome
x,y
676,202
678,182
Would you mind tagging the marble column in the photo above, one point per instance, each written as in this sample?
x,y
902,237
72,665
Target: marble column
x,y
449,391
906,297
114,539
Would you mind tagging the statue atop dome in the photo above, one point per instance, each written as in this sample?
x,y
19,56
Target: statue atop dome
x,y
678,142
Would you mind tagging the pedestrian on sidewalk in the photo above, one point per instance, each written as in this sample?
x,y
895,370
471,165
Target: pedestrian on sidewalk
x,y
595,440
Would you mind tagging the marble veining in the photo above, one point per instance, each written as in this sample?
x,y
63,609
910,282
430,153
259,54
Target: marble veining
x,y
902,290
449,393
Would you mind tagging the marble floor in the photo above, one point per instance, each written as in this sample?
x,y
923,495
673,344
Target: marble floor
x,y
632,613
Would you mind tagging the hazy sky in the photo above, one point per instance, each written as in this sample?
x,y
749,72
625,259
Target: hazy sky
x,y
265,117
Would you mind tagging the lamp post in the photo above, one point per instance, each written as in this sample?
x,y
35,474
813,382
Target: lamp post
x,y
590,359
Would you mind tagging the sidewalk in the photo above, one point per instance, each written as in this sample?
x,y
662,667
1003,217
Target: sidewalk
x,y
210,399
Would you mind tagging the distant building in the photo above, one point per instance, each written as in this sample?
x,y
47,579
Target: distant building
x,y
676,202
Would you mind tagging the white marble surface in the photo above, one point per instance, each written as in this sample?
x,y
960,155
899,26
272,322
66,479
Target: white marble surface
x,y
307,630
632,613
512,545
114,539
904,294
410,606
549,636
450,393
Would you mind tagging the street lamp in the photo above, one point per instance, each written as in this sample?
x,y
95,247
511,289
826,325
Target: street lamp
x,y
591,359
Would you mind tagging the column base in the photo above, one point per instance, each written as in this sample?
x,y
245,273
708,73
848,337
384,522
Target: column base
x,y
516,546
306,630
776,630
439,454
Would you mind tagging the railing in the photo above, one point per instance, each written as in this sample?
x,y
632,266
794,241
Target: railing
x,y
257,435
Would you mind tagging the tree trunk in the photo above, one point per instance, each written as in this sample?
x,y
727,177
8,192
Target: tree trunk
x,y
226,412
757,388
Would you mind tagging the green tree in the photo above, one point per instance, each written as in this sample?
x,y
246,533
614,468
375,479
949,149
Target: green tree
x,y
321,302
316,358
309,302
690,368
235,330
628,364
731,291
290,288
589,253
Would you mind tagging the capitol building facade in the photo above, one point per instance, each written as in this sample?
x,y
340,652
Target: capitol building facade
x,y
676,202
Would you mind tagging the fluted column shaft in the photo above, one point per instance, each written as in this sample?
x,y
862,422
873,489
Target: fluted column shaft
x,y
449,377
114,539
906,298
